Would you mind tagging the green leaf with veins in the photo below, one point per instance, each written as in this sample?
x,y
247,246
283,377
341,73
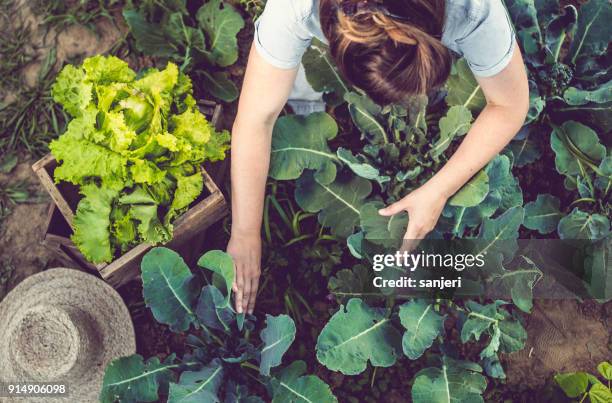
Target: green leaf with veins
x,y
169,288
292,386
457,122
198,386
453,381
356,335
222,264
600,95
499,235
473,192
353,283
359,167
574,384
582,225
300,143
576,148
277,337
463,89
422,323
365,114
518,282
543,214
134,379
593,31
221,23
338,203
92,223
321,71
524,151
382,230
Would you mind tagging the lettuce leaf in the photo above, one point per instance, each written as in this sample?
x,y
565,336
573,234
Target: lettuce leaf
x,y
134,146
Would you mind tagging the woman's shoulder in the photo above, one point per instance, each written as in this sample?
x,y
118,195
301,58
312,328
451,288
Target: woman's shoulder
x,y
469,11
295,10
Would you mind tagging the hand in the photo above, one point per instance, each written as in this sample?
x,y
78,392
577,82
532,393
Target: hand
x,y
424,206
245,249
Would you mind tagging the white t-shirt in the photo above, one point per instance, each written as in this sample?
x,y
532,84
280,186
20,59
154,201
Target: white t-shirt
x,y
479,30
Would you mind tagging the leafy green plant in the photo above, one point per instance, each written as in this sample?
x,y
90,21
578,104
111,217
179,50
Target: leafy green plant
x,y
134,148
566,55
199,42
582,385
219,343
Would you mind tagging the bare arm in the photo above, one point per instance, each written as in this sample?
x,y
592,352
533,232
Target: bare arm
x,y
264,93
507,95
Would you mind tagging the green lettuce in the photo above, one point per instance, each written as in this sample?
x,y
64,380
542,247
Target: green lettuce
x,y
134,147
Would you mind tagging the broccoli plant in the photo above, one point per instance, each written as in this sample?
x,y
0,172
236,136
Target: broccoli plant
x,y
218,343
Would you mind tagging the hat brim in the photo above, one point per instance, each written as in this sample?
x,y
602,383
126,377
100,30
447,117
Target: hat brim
x,y
70,288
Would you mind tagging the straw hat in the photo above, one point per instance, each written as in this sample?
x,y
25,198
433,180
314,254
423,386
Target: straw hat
x,y
63,326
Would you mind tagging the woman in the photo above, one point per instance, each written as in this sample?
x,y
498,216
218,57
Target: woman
x,y
391,49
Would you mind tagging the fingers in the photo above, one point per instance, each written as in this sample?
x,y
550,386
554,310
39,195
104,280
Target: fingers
x,y
414,233
253,296
392,209
246,295
239,288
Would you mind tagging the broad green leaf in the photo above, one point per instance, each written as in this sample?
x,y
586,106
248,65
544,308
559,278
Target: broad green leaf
x,y
463,89
365,114
457,122
212,310
221,23
499,235
543,214
493,367
353,283
605,369
604,176
576,147
380,229
188,37
360,168
581,225
130,379
473,192
338,203
504,187
506,335
575,96
454,381
169,288
353,242
150,38
92,223
300,143
321,71
277,337
525,18
574,384
198,386
600,394
519,282
524,151
354,336
594,30
423,324
222,264
219,85
292,386
557,31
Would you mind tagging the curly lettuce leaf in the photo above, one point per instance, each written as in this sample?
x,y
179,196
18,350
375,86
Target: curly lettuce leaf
x,y
81,161
107,69
92,223
188,188
71,90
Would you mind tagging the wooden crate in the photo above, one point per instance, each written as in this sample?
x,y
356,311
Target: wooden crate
x,y
204,211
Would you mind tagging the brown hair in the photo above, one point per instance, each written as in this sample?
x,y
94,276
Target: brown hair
x,y
389,58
